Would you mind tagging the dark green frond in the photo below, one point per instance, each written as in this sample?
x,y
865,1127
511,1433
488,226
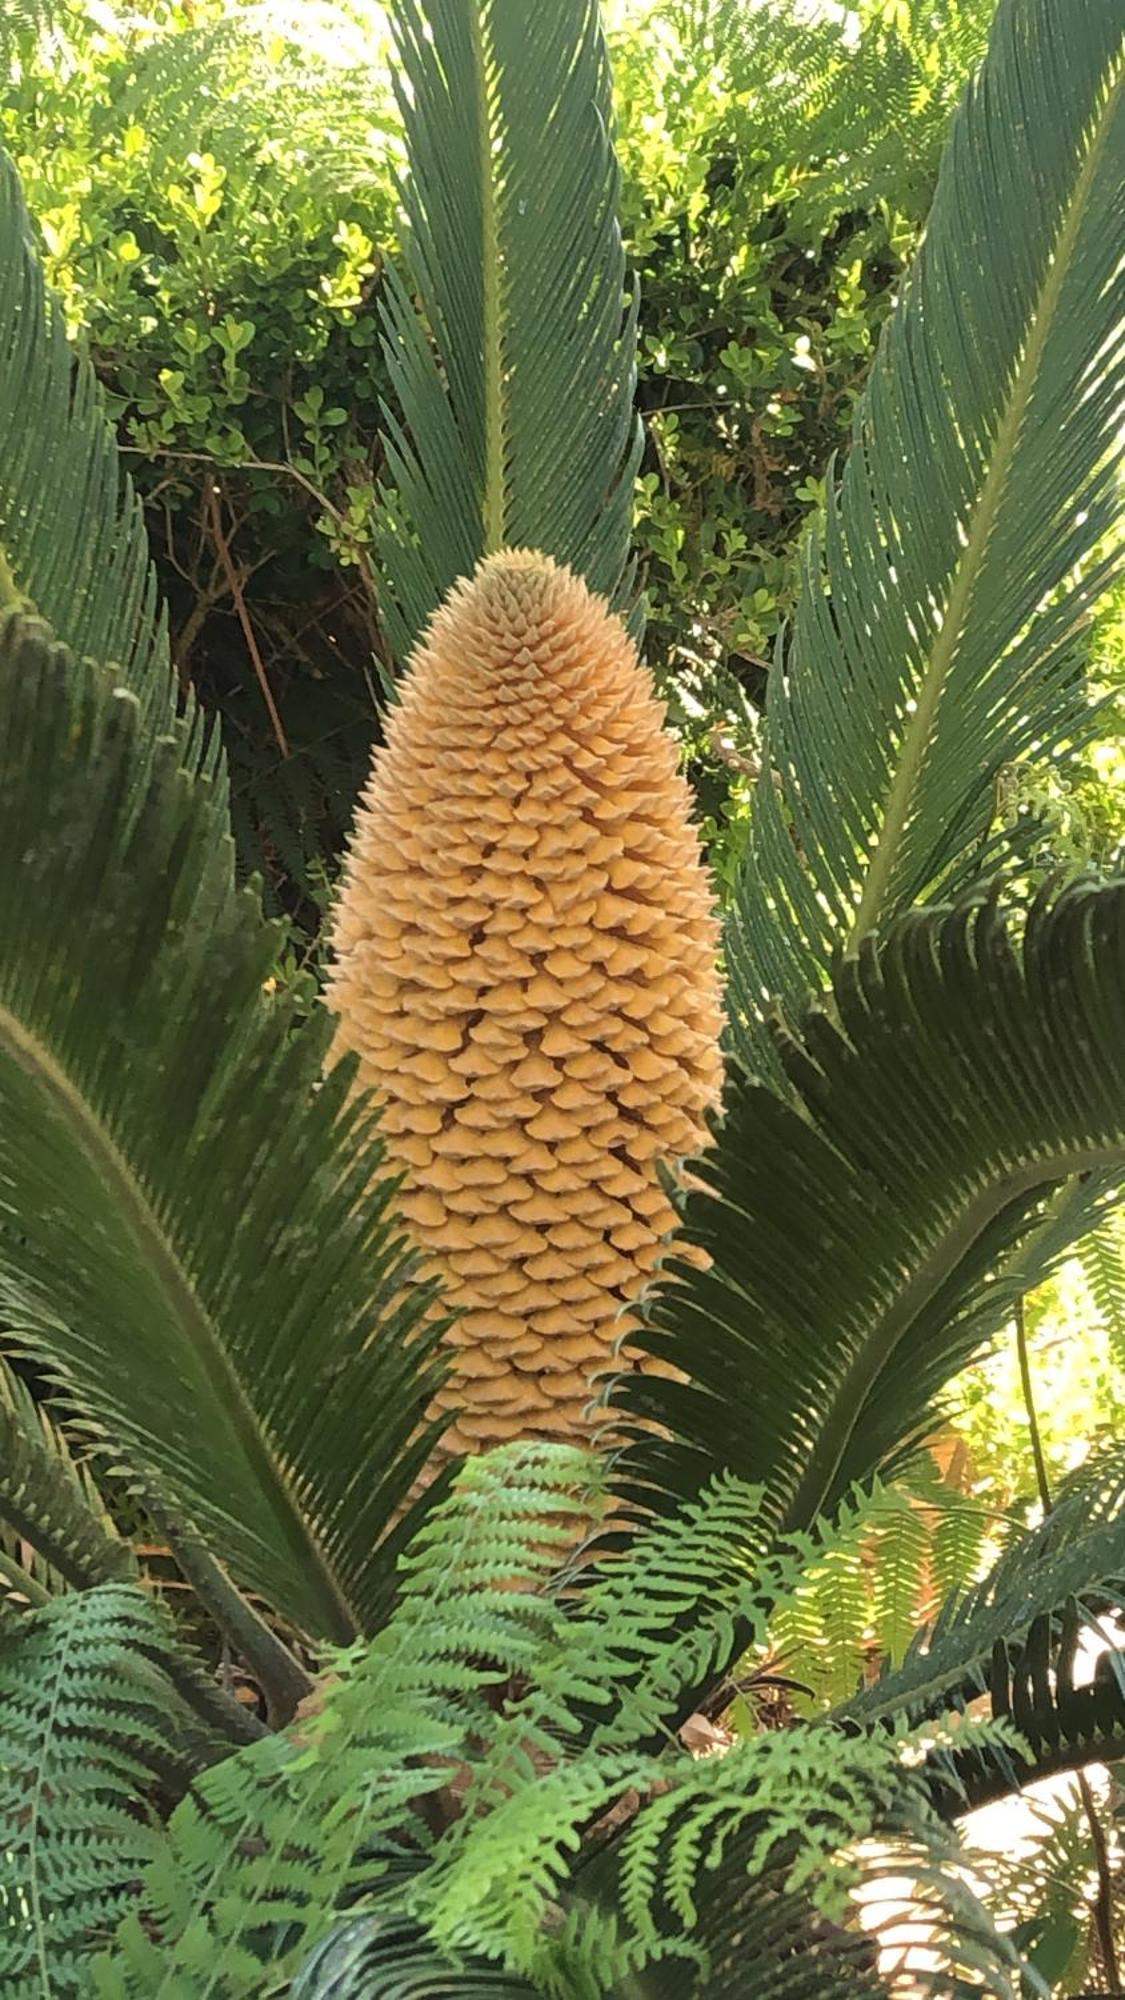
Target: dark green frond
x,y
935,637
961,1079
192,1242
1015,1638
514,387
72,538
51,1503
1102,1256
373,1959
89,1732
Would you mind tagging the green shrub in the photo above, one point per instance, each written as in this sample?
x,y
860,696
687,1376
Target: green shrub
x,y
214,193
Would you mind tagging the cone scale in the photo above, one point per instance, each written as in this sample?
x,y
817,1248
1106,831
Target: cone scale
x,y
525,962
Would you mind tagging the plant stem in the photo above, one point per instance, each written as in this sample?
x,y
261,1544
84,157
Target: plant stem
x,y
234,582
1103,1907
1041,1479
280,1676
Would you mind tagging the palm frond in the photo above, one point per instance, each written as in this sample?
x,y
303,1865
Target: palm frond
x,y
940,610
514,386
193,1245
89,1730
371,1956
72,539
50,1504
853,1234
57,1534
1102,1256
1014,1638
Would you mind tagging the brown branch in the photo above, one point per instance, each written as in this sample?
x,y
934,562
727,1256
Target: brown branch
x,y
288,472
234,578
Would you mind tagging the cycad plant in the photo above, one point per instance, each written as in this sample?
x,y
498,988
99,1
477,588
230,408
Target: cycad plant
x,y
462,1768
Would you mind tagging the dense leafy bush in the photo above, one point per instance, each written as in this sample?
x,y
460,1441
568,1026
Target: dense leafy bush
x,y
214,191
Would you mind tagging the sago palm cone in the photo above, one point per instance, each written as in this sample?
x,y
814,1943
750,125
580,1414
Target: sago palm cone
x,y
525,961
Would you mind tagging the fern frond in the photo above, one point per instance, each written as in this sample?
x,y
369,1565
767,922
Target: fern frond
x,y
959,1536
899,1551
266,1844
771,1821
1102,1257
90,1731
850,105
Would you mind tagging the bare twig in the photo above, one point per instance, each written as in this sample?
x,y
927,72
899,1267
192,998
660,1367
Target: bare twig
x,y
287,472
234,578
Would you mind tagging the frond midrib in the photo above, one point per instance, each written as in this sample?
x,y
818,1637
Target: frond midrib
x,y
492,331
916,736
187,1310
812,1493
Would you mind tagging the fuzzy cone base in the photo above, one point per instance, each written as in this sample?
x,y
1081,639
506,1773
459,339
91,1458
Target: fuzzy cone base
x,y
525,961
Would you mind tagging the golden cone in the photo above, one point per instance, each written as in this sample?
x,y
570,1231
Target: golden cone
x,y
525,960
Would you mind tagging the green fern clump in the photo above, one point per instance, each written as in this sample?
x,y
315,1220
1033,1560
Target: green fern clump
x,y
869,90
542,1703
91,1737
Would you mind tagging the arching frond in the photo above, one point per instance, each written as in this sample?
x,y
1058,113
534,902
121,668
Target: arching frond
x,y
1102,1256
50,1503
855,1235
391,1958
1015,1637
328,1817
935,638
514,388
191,1242
72,539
